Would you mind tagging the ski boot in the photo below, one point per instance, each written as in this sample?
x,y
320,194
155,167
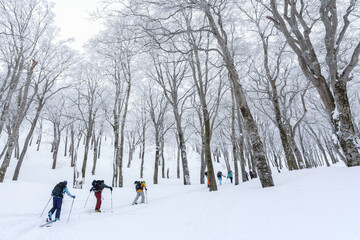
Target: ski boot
x,y
49,217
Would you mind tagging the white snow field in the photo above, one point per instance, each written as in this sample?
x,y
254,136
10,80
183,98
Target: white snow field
x,y
321,204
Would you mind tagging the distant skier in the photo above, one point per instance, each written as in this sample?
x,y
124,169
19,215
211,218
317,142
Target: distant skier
x,y
140,186
207,178
252,175
230,176
58,193
219,176
97,187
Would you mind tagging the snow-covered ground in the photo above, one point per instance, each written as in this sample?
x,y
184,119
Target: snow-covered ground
x,y
321,204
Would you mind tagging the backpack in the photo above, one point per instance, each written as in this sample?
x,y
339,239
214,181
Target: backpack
x,y
58,190
138,185
97,184
219,174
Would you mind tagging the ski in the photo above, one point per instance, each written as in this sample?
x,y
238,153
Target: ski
x,y
137,203
47,223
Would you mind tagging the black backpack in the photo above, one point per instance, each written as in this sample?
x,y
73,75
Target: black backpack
x,y
138,185
58,190
97,184
219,174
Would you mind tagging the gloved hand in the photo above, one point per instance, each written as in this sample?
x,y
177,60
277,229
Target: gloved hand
x,y
110,188
90,190
73,196
145,189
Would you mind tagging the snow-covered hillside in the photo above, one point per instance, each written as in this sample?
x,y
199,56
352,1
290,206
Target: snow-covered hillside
x,y
310,204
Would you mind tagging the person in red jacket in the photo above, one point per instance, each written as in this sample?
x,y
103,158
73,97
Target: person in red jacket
x,y
97,187
207,178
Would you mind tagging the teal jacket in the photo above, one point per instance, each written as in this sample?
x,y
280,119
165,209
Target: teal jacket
x,y
229,175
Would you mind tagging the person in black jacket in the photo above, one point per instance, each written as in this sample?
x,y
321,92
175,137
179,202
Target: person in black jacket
x,y
97,187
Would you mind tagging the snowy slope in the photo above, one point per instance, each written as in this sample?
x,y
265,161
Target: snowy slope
x,y
310,204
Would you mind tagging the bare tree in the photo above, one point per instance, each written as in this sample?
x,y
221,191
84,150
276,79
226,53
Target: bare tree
x,y
96,150
22,26
57,114
44,86
296,21
21,111
170,74
157,106
88,102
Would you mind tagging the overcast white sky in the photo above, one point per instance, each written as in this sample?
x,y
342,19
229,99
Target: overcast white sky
x,y
72,16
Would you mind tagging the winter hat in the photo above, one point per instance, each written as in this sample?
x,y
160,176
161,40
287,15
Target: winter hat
x,y
65,182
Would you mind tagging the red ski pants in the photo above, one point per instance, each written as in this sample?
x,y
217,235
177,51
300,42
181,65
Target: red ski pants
x,y
98,199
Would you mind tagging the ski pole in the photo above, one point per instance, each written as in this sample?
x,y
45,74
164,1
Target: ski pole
x,y
87,199
45,207
111,203
71,209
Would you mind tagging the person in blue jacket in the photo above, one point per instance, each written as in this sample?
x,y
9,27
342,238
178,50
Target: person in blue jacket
x,y
58,193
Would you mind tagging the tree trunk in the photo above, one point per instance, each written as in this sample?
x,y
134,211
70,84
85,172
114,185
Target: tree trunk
x,y
38,141
263,169
202,160
66,143
56,149
95,156
209,164
233,141
15,77
157,157
28,138
89,130
19,118
162,155
122,133
142,152
226,157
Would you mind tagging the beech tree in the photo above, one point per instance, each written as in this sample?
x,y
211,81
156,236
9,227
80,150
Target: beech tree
x,y
297,21
170,75
88,102
116,47
157,107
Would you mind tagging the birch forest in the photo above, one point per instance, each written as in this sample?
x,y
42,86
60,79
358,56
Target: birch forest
x,y
259,85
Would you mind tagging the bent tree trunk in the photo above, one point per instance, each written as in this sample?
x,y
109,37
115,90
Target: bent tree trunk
x,y
263,169
27,140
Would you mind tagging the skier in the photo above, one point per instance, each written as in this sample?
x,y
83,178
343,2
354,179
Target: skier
x,y
247,176
58,194
97,187
220,175
139,186
230,176
207,178
252,175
